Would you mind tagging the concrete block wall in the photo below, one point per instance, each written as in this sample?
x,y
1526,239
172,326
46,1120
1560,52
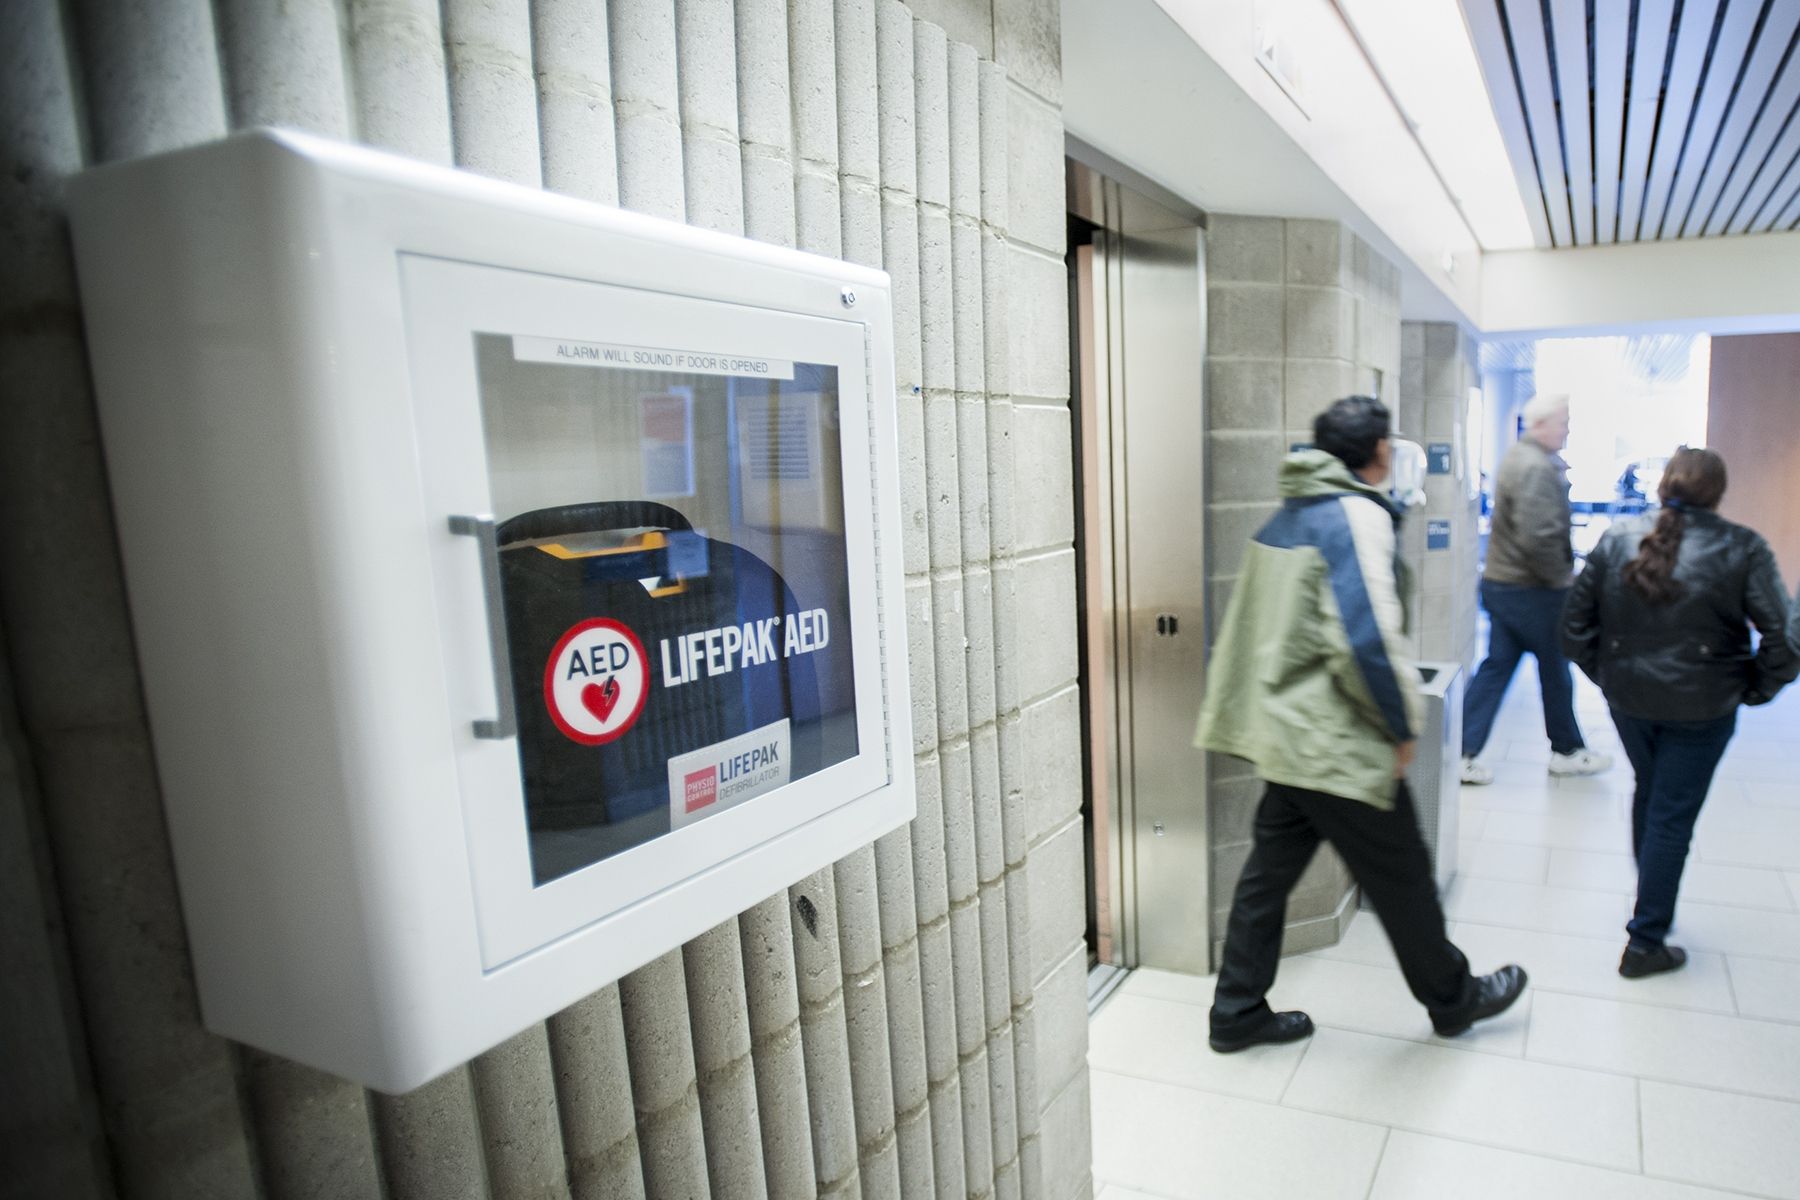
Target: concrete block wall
x,y
1440,364
910,1021
1299,313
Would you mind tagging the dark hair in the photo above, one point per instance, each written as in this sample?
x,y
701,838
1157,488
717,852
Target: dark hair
x,y
1351,429
1693,479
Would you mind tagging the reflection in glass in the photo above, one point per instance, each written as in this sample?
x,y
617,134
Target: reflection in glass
x,y
676,584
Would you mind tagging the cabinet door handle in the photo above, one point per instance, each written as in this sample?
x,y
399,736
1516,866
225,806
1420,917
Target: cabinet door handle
x,y
481,528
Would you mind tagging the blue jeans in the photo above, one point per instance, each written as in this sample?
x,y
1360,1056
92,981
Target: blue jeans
x,y
1674,762
1523,620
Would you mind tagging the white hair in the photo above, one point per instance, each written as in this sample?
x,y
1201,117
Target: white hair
x,y
1543,407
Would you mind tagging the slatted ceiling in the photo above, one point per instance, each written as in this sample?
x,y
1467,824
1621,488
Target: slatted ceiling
x,y
1760,88
1769,147
1681,87
1638,120
1790,216
1727,65
1568,38
1487,32
1649,56
1611,50
1786,216
1531,65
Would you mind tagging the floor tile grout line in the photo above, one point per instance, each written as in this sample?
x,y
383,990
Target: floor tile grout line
x,y
1469,1141
1444,1044
1790,1101
1637,1098
1236,1096
1288,1085
1731,986
1461,920
1387,1138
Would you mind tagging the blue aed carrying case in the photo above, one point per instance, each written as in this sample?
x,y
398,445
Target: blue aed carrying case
x,y
649,598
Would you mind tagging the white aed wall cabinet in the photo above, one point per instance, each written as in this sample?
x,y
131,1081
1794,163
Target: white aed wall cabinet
x,y
516,581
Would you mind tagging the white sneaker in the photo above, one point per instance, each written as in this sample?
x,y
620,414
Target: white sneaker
x,y
1580,762
1476,775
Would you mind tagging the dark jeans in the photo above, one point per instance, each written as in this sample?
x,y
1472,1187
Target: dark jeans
x,y
1523,620
1385,853
1674,762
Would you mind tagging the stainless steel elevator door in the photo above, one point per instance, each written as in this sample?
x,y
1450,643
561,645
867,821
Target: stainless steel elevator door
x,y
1160,473
1139,293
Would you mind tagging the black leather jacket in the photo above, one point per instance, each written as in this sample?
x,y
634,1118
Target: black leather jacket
x,y
1690,659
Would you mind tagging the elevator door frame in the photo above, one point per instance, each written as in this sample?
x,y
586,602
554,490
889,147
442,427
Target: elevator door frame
x,y
1139,324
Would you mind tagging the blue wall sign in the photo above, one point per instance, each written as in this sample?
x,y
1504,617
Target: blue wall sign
x,y
1437,458
1437,535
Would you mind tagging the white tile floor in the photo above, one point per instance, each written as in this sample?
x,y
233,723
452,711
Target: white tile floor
x,y
1680,1087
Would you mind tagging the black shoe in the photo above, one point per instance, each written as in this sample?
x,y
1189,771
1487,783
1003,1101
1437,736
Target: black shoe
x,y
1494,994
1638,963
1280,1027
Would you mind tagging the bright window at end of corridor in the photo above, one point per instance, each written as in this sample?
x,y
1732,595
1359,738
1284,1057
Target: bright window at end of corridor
x,y
1632,401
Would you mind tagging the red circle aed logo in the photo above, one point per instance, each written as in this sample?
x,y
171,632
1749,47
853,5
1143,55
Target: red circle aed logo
x,y
596,681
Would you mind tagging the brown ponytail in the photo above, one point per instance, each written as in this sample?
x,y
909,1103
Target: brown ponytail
x,y
1694,479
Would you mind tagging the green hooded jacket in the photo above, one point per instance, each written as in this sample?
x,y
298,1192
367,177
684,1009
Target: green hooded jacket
x,y
1309,677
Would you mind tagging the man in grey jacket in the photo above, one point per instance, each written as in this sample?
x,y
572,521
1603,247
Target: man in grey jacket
x,y
1530,566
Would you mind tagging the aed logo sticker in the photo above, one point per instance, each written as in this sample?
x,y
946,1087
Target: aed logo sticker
x,y
596,681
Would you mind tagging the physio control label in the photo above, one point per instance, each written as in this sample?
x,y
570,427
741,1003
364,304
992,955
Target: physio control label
x,y
717,777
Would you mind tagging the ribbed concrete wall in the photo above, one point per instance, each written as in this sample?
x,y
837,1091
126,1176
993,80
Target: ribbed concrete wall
x,y
904,1023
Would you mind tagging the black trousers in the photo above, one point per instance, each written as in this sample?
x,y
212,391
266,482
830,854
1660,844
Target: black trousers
x,y
1386,855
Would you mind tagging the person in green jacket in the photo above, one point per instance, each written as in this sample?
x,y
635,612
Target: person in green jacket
x,y
1309,681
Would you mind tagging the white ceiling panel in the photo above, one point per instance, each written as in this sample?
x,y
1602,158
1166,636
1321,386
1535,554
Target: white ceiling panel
x,y
1681,85
1569,36
1642,109
1612,51
1646,120
1532,70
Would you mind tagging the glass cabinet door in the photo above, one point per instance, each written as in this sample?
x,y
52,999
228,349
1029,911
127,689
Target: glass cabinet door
x,y
667,499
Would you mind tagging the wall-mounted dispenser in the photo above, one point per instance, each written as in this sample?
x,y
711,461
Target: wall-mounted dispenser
x,y
516,581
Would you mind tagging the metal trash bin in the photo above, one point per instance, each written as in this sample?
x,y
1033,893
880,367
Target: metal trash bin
x,y
1436,772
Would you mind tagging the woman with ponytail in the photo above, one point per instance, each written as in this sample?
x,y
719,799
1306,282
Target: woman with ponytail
x,y
1660,619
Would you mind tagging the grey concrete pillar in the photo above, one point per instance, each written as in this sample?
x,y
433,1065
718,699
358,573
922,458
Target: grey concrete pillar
x,y
54,1146
593,1099
647,106
773,1001
396,55
812,67
314,1132
818,973
936,1124
939,312
857,880
765,121
859,131
572,61
521,1131
859,876
150,70
712,161
718,1017
431,1141
493,93
284,61
659,1047
167,1091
